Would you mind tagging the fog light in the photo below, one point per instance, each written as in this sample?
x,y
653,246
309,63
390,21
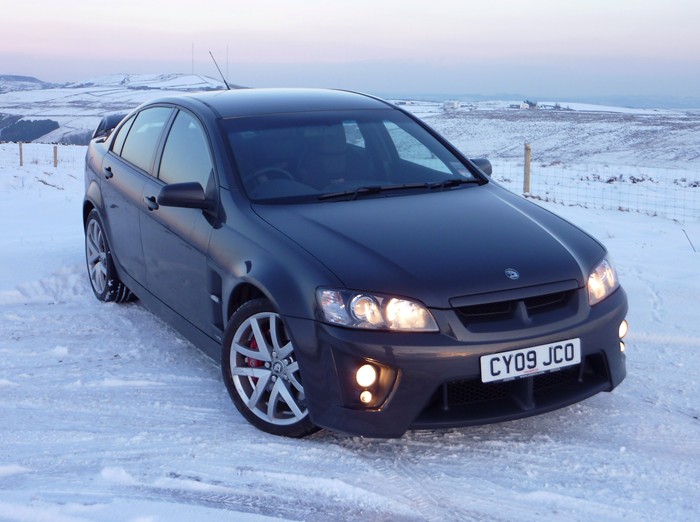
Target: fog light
x,y
366,397
366,376
622,347
623,329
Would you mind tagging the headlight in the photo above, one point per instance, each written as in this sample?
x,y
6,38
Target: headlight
x,y
372,311
602,282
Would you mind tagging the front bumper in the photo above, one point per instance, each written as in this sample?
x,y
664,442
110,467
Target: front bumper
x,y
432,380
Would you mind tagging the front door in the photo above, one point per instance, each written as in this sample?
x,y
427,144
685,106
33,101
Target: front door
x,y
176,240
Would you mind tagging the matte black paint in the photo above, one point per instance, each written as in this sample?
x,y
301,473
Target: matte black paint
x,y
447,249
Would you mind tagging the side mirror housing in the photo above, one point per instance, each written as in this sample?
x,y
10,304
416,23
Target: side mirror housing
x,y
184,195
483,164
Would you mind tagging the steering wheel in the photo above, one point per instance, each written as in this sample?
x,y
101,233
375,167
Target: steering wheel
x,y
266,174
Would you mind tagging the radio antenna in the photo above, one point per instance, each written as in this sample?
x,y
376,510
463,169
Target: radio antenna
x,y
222,74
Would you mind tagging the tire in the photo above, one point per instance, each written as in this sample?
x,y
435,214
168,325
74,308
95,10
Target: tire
x,y
103,276
261,371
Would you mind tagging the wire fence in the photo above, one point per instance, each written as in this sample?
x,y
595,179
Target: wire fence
x,y
669,193
41,154
665,192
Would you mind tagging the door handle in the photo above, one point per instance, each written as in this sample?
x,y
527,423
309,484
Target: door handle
x,y
151,202
108,173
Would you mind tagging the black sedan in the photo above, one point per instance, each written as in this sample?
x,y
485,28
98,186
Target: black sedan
x,y
348,266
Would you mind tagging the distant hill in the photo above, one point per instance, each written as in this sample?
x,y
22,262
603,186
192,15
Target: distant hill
x,y
11,82
158,82
27,130
77,108
628,101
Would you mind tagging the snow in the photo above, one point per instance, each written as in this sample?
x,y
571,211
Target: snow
x,y
107,414
484,127
79,107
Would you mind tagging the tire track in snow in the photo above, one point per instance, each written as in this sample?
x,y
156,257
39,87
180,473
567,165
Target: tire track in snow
x,y
398,462
252,495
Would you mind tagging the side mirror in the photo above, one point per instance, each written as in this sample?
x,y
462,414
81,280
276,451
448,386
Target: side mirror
x,y
483,164
184,195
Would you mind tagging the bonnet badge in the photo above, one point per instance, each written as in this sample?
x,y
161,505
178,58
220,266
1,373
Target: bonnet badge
x,y
512,273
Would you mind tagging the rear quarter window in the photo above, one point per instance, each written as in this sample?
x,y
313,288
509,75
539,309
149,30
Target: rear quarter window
x,y
120,138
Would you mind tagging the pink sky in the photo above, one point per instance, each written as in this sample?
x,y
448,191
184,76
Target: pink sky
x,y
577,47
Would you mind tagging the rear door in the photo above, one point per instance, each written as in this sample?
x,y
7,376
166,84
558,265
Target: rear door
x,y
125,171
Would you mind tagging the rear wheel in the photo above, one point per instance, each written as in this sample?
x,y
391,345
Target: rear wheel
x,y
261,371
101,271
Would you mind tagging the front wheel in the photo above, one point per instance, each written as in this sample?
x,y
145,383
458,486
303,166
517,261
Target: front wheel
x,y
261,371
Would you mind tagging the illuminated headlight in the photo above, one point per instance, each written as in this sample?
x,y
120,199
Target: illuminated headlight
x,y
602,282
365,309
372,311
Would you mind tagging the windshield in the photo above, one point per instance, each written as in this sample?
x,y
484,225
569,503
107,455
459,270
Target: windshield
x,y
311,156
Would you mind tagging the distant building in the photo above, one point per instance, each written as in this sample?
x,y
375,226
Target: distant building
x,y
451,105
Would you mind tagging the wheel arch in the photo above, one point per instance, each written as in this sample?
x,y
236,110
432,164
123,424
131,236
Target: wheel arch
x,y
88,207
241,294
268,279
92,200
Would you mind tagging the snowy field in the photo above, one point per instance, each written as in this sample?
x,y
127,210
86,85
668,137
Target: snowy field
x,y
108,415
79,107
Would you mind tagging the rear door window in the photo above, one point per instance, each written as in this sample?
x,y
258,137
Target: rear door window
x,y
143,138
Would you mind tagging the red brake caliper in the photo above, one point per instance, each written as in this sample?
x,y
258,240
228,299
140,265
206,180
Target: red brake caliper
x,y
254,363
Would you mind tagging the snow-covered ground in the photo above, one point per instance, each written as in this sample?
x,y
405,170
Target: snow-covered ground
x,y
590,134
106,414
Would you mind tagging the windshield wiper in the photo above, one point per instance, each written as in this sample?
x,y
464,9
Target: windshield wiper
x,y
372,189
351,194
454,182
376,189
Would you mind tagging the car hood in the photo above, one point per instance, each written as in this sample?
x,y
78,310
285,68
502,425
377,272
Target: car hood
x,y
438,246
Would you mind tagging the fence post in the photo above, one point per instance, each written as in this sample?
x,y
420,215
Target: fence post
x,y
526,178
21,159
55,156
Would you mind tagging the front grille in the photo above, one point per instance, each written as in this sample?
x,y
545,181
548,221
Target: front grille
x,y
542,303
471,391
475,312
465,402
466,392
553,379
533,305
515,313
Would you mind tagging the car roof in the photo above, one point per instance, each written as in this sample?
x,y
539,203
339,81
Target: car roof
x,y
251,102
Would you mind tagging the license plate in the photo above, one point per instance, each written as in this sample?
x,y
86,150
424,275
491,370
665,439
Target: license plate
x,y
530,361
